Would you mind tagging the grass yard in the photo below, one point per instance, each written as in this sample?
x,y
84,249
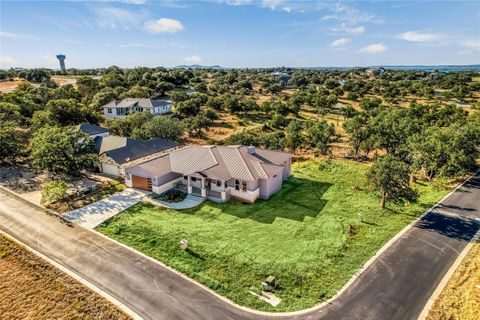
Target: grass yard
x,y
31,288
310,235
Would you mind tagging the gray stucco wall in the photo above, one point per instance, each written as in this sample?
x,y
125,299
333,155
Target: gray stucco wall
x,y
158,181
269,186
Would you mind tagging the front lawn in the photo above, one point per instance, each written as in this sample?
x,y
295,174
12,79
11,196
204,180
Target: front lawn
x,y
310,235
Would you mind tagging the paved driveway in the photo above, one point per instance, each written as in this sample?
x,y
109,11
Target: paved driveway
x,y
190,201
95,213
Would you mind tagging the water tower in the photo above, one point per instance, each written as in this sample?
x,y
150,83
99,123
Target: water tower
x,y
61,58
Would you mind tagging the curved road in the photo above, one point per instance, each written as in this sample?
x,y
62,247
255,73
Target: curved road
x,y
396,285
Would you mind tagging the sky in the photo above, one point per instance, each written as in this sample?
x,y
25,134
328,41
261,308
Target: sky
x,y
238,33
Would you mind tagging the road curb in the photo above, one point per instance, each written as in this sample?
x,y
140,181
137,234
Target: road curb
x,y
367,264
441,286
77,277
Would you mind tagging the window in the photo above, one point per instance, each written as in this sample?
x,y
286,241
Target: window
x,y
226,185
185,177
237,184
244,186
219,183
193,179
109,110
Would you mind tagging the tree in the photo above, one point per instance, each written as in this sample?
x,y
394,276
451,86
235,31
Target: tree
x,y
62,150
370,104
319,135
392,128
196,125
9,112
190,107
37,75
390,175
126,126
53,191
358,131
65,111
10,141
293,135
444,151
136,92
160,127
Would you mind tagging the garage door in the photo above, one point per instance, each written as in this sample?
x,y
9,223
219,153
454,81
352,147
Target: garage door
x,y
110,169
142,183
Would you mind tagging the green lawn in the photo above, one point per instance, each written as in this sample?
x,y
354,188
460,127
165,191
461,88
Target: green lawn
x,y
309,235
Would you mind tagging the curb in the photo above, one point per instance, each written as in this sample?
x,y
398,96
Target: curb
x,y
264,313
36,206
78,278
441,286
320,305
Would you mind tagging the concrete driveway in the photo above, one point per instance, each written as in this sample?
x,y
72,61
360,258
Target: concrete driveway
x,y
190,201
95,213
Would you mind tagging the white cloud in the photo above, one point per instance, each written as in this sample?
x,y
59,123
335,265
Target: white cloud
x,y
235,2
472,43
193,59
114,18
340,42
346,29
374,48
417,36
359,29
164,25
12,35
136,45
6,61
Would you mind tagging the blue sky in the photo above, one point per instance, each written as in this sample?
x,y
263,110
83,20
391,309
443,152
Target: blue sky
x,y
238,33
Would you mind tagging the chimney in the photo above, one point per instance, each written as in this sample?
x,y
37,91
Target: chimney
x,y
251,149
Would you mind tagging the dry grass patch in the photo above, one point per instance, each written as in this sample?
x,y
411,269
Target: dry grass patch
x,y
30,288
461,297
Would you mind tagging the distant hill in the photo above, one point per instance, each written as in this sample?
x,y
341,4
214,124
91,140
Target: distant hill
x,y
197,66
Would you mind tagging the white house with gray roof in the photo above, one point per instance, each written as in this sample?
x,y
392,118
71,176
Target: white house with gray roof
x,y
122,108
214,172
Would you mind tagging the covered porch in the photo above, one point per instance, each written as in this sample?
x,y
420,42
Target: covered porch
x,y
216,190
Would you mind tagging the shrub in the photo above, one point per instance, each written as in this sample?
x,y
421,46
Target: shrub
x,y
53,191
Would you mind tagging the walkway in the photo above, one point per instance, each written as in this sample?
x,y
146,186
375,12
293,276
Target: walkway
x,y
95,213
190,201
396,286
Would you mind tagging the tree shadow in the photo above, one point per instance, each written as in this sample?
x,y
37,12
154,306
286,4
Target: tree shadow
x,y
297,199
454,207
194,254
460,228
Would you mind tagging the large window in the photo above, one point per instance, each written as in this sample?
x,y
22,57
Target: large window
x,y
193,179
109,110
237,184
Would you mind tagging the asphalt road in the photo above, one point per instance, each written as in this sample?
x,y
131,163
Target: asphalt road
x,y
396,286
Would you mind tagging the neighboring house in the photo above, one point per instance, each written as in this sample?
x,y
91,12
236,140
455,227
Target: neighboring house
x,y
93,130
214,172
116,153
121,108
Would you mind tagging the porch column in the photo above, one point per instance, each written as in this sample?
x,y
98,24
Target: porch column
x,y
204,190
189,185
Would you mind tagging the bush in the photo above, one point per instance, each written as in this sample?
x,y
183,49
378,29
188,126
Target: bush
x,y
173,195
53,191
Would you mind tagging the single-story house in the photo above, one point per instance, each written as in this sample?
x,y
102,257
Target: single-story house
x,y
116,153
214,172
93,130
121,108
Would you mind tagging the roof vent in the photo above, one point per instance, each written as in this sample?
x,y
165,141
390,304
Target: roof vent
x,y
251,149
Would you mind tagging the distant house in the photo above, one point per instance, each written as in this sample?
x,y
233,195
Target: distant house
x,y
116,153
121,108
93,130
214,172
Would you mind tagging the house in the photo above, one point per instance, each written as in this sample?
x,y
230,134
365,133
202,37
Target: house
x,y
214,172
93,130
121,108
116,153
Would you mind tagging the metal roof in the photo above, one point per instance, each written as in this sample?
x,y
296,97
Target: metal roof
x,y
218,162
138,102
